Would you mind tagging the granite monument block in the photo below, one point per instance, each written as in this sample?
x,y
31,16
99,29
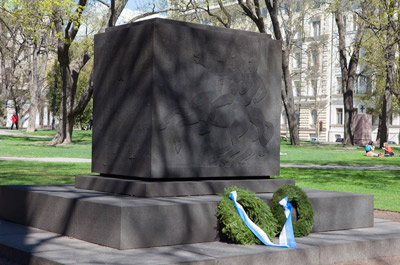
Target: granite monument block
x,y
178,100
362,129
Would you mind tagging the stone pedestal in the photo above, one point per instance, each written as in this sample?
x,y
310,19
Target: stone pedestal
x,y
175,100
125,222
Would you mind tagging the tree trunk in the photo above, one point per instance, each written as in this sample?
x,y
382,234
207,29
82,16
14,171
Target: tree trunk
x,y
387,97
288,101
34,91
348,71
287,90
70,73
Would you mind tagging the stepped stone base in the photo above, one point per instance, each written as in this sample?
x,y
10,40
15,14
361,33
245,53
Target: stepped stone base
x,y
126,222
148,189
26,245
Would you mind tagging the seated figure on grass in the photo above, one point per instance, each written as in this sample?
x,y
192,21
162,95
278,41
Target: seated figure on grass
x,y
388,151
369,149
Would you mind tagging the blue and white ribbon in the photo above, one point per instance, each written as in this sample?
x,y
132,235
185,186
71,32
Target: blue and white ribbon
x,y
286,238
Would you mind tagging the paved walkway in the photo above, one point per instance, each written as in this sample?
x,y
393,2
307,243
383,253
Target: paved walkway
x,y
17,133
47,159
345,247
84,160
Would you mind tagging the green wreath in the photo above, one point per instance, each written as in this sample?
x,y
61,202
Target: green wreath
x,y
257,210
300,201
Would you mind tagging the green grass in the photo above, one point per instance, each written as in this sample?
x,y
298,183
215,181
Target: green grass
x,y
26,146
329,154
383,184
40,173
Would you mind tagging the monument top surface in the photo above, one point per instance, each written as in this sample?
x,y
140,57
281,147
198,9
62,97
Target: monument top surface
x,y
187,24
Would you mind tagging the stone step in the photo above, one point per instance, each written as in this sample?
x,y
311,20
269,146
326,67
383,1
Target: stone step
x,y
189,187
126,222
26,245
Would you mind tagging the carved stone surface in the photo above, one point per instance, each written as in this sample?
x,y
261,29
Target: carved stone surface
x,y
362,129
180,100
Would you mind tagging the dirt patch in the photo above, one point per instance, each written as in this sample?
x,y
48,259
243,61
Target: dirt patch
x,y
388,215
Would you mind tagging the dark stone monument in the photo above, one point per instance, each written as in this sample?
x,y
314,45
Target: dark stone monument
x,y
175,100
179,109
362,129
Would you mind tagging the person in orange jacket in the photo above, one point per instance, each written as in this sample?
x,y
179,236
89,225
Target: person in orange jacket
x,y
388,151
14,120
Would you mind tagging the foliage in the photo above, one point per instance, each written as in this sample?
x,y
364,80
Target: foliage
x,y
300,201
54,83
257,210
83,119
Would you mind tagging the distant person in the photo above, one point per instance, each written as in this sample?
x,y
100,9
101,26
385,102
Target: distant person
x,y
14,120
369,149
388,151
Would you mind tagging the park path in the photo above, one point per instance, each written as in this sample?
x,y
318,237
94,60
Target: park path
x,y
17,133
47,159
88,160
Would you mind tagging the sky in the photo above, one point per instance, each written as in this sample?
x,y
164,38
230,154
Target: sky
x,y
131,4
134,4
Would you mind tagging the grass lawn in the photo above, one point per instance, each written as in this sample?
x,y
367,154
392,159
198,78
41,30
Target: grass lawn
x,y
338,154
40,173
26,146
383,184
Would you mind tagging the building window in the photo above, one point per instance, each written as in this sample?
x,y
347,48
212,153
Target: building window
x,y
297,89
298,35
297,59
298,117
315,58
316,26
355,23
339,116
284,118
356,86
344,23
314,117
314,88
364,85
369,85
339,88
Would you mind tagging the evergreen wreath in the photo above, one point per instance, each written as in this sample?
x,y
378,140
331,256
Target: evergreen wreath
x,y
300,201
257,210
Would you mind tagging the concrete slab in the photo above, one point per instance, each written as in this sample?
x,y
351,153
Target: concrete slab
x,y
126,222
35,246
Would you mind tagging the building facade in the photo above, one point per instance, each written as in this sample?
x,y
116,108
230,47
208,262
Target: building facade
x,y
317,81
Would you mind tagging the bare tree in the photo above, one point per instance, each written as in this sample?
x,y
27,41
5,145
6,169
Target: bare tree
x,y
348,67
383,21
70,69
